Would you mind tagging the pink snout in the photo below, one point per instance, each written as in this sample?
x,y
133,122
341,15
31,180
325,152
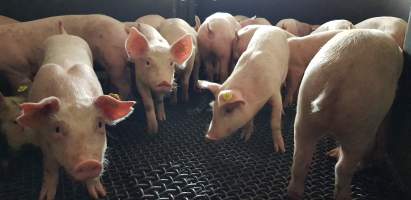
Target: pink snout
x,y
212,137
164,87
87,169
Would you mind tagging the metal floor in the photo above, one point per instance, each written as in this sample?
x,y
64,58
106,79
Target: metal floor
x,y
177,163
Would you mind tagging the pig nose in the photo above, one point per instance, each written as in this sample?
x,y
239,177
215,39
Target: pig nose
x,y
164,86
211,137
87,169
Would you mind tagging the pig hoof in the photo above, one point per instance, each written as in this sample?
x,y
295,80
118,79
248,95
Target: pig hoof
x,y
161,116
96,189
245,134
294,196
279,145
334,153
47,192
152,128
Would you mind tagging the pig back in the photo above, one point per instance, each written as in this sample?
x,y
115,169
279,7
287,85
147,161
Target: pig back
x,y
355,75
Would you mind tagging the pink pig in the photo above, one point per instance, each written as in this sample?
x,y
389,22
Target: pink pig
x,y
256,80
68,113
339,24
152,20
296,27
105,35
393,26
215,37
7,20
154,61
347,90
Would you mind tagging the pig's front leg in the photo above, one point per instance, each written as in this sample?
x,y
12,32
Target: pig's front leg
x,y
161,113
196,72
277,109
294,77
50,177
209,70
95,188
145,93
247,130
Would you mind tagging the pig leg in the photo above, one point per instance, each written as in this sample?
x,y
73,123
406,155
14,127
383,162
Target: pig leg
x,y
196,72
186,84
174,95
161,113
145,93
119,76
293,84
352,151
305,139
277,109
50,178
224,67
247,130
95,188
209,70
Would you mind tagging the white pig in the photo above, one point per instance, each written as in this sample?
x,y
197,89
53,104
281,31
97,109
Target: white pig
x,y
302,50
67,112
173,29
393,26
255,20
339,24
154,61
296,27
152,20
256,80
215,37
7,20
346,92
243,37
21,56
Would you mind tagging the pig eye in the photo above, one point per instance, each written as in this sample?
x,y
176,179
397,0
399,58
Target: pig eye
x,y
57,130
100,124
147,62
171,63
228,110
14,122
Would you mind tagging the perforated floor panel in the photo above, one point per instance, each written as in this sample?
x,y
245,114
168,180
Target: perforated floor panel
x,y
178,163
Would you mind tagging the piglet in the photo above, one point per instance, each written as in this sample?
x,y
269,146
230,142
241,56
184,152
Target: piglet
x,y
302,50
346,92
152,20
7,20
173,29
393,26
256,80
255,20
215,37
154,61
68,112
296,27
339,24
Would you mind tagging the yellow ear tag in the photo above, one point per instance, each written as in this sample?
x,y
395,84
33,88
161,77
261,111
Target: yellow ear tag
x,y
22,88
227,96
116,96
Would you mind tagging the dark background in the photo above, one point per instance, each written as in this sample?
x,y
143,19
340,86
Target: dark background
x,y
311,11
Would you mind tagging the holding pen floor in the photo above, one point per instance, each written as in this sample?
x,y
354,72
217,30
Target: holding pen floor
x,y
177,163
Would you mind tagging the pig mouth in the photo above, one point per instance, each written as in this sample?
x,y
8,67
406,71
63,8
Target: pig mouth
x,y
86,170
163,87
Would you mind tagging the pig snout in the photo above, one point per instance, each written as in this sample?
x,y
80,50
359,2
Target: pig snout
x,y
212,137
164,86
87,169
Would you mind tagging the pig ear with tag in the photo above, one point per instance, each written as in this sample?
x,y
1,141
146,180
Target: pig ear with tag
x,y
181,49
136,44
114,110
31,113
212,87
230,99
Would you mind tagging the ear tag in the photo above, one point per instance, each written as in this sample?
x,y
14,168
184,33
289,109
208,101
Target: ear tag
x,y
114,95
227,96
22,88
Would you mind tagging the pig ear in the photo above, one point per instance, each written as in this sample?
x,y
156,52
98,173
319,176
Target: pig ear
x,y
198,23
212,87
230,99
181,50
114,110
136,44
247,22
32,112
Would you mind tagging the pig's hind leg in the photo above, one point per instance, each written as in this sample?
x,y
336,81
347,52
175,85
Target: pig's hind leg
x,y
352,152
277,109
50,178
306,137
